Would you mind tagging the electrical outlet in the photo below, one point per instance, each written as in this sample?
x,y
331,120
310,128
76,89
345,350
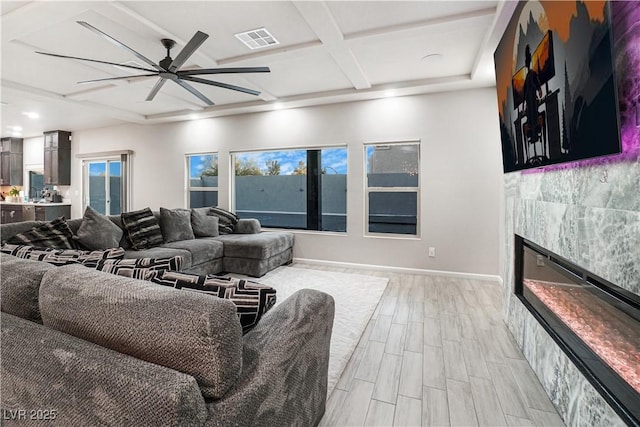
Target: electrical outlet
x,y
432,252
540,261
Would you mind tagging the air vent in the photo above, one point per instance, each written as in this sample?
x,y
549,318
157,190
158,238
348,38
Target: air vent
x,y
257,39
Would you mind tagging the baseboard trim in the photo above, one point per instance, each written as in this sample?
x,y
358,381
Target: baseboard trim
x,y
420,271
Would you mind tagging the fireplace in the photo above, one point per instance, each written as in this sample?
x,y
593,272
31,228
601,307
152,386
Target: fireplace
x,y
596,323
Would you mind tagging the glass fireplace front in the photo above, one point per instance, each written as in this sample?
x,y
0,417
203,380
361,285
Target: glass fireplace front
x,y
596,323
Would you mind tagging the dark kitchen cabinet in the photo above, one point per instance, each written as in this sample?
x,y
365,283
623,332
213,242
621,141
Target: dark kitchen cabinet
x,y
57,158
10,213
11,161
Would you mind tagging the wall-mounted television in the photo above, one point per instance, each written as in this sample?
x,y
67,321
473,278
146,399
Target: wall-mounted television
x,y
555,82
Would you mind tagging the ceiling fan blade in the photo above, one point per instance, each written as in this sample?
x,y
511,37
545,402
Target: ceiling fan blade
x,y
224,71
121,45
118,78
219,84
194,91
99,62
198,38
155,89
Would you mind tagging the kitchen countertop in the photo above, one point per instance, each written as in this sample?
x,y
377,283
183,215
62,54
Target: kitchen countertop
x,y
36,203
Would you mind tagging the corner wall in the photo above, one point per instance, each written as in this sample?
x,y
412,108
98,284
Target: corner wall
x,y
588,213
461,180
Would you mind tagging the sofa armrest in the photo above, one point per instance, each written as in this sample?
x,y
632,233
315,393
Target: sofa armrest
x,y
285,366
247,226
76,382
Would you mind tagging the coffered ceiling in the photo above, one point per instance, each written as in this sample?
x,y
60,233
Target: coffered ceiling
x,y
328,52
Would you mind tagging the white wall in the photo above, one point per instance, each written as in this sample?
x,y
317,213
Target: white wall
x,y
461,171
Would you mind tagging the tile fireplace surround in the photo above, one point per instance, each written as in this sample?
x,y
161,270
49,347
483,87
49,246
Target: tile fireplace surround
x,y
588,214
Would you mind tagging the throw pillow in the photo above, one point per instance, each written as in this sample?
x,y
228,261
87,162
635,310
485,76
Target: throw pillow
x,y
226,220
203,223
127,267
97,232
252,299
142,229
53,234
61,256
176,224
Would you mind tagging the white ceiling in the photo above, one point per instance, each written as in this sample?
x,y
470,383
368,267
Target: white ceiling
x,y
333,51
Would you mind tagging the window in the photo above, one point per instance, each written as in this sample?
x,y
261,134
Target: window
x,y
302,189
203,180
392,187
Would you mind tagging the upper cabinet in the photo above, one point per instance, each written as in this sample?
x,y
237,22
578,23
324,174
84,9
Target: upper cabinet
x,y
11,161
57,158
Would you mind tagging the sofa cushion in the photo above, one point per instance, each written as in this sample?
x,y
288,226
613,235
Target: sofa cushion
x,y
176,224
142,228
204,224
161,252
201,250
256,246
20,285
137,268
61,256
97,232
252,299
52,234
83,384
226,220
186,331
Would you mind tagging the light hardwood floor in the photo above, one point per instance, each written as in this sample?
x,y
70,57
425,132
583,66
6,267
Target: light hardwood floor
x,y
437,353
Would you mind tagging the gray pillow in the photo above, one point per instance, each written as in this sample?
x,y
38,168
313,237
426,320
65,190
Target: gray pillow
x,y
97,232
204,225
176,224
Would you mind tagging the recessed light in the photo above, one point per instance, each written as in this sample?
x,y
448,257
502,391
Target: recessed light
x,y
16,128
31,114
257,39
16,134
432,57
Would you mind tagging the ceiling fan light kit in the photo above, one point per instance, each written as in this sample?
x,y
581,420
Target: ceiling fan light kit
x,y
168,68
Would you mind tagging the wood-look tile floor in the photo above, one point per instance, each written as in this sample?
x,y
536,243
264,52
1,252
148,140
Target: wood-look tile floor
x,y
437,353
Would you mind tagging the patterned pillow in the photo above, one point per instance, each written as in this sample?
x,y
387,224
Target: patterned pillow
x,y
226,220
252,299
53,234
61,256
132,267
142,228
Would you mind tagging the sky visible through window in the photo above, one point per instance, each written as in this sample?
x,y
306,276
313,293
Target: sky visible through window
x,y
99,169
333,159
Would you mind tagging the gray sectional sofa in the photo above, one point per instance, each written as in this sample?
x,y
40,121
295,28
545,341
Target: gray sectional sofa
x,y
248,250
83,347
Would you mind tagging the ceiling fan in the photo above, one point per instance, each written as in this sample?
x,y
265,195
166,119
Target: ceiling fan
x,y
168,68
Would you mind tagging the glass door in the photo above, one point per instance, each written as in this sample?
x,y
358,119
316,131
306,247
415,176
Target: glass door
x,y
103,186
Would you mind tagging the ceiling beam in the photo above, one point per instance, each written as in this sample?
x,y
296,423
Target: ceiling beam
x,y
323,23
492,36
416,25
115,113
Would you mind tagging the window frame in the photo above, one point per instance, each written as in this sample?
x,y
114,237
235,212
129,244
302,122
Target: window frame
x,y
189,188
126,171
368,190
232,186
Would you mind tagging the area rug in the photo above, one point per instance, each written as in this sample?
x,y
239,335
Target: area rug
x,y
355,296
